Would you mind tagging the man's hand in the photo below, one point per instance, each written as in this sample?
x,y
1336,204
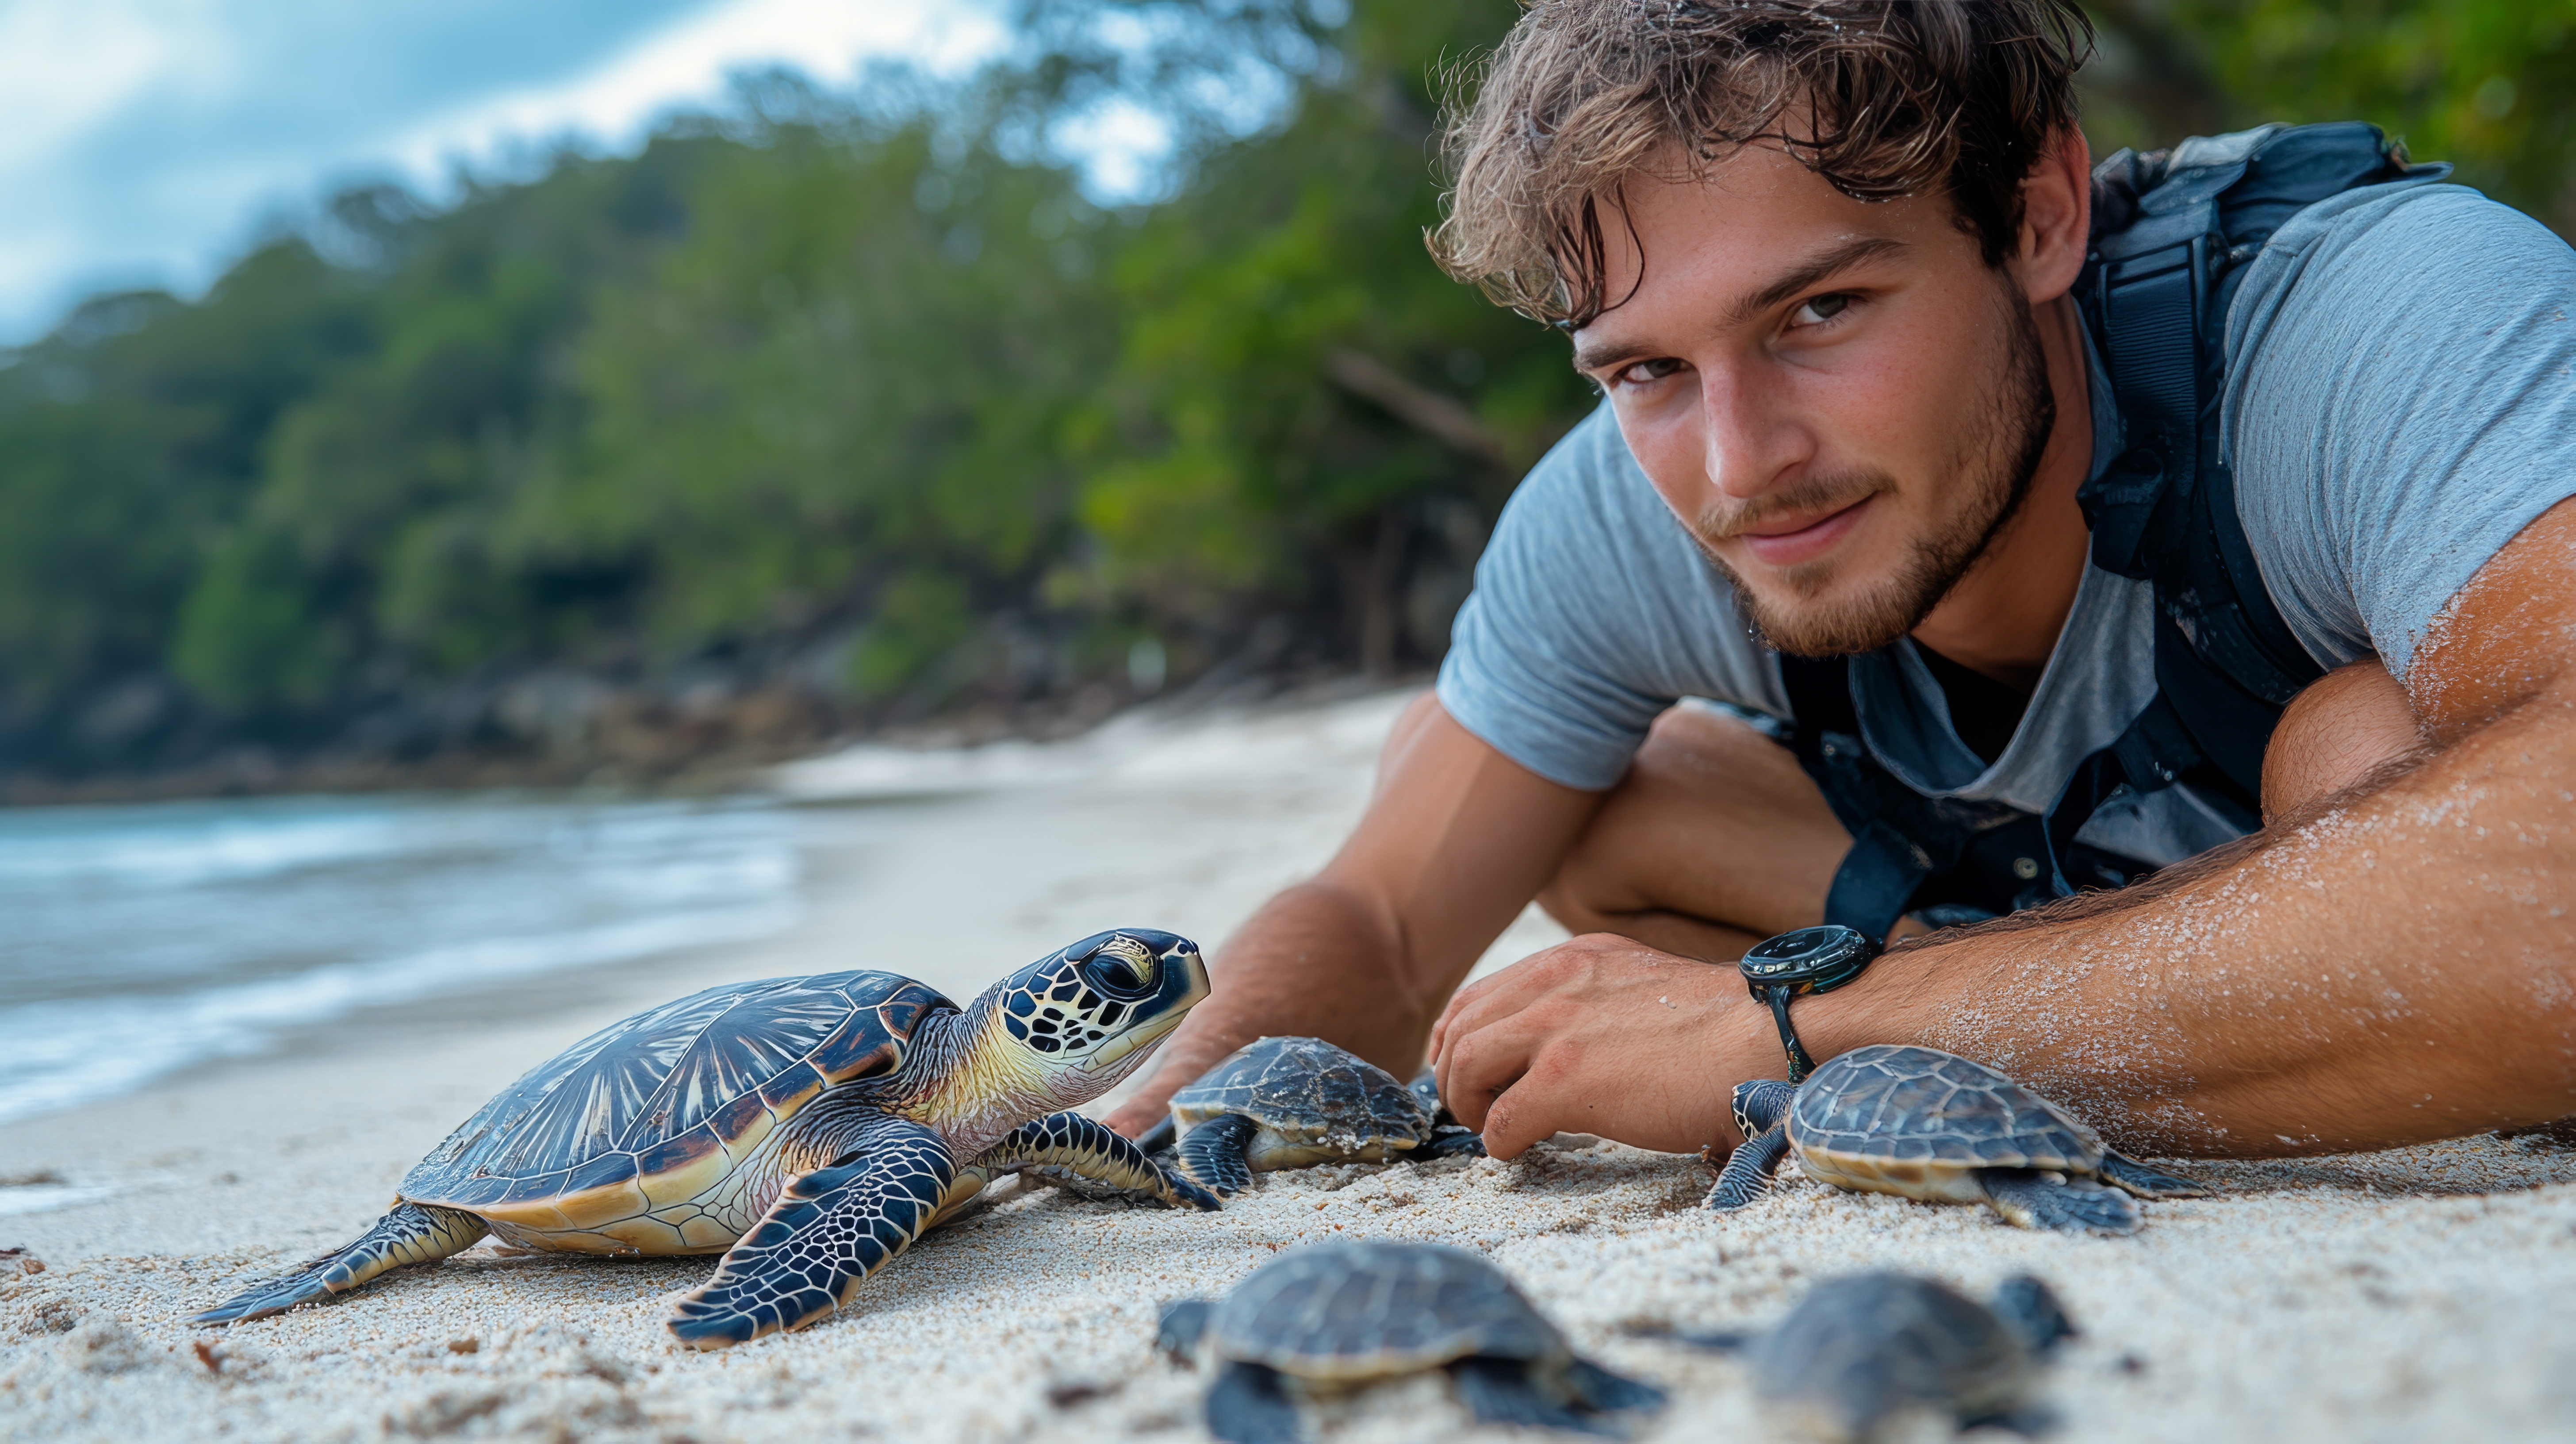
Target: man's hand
x,y
1602,1035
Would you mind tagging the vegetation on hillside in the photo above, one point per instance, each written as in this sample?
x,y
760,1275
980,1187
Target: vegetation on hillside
x,y
838,408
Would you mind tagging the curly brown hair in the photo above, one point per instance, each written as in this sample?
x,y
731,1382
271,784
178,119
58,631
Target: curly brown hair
x,y
1882,98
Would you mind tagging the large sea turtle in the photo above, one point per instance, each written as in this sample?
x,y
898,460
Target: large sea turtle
x,y
1884,1356
807,1128
1921,1123
1338,1316
1293,1102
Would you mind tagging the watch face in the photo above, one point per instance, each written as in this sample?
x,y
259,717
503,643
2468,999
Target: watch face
x,y
1813,958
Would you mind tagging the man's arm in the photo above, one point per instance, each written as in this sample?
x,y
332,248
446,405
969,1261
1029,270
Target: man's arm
x,y
1456,840
2394,965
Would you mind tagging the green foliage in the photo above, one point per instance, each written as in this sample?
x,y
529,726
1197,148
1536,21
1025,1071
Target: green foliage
x,y
2489,85
870,394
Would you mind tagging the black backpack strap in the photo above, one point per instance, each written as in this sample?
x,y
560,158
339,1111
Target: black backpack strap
x,y
2171,234
1880,874
1951,860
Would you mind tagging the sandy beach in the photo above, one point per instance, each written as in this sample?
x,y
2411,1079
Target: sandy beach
x,y
2419,1294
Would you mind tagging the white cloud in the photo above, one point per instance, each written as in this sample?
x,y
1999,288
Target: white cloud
x,y
143,142
690,65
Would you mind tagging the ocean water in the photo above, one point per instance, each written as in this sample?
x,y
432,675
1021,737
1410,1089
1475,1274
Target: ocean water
x,y
138,940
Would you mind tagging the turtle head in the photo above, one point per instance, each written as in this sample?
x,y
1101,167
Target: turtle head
x,y
1100,1006
1183,1326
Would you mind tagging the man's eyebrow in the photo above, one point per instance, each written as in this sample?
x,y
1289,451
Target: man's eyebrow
x,y
1817,268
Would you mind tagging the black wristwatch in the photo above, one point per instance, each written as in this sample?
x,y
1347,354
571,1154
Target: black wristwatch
x,y
1810,960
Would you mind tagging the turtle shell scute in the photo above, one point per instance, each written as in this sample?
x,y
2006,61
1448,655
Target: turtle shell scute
x,y
1303,1087
1902,1104
673,1085
1351,1311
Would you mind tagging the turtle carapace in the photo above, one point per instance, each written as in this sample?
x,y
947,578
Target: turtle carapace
x,y
1885,1356
1930,1125
1293,1102
809,1129
1339,1316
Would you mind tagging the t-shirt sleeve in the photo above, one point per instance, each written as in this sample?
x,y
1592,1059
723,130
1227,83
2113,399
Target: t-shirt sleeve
x,y
2404,404
1593,612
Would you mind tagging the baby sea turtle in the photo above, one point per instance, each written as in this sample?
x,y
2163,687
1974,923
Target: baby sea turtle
x,y
1291,1102
809,1129
1925,1124
1876,1356
1338,1316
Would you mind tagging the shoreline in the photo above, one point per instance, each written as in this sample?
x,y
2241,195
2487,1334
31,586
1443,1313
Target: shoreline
x,y
2412,1294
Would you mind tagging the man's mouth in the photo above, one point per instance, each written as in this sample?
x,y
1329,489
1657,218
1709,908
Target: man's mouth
x,y
1788,541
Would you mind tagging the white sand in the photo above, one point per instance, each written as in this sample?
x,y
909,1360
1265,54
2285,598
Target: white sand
x,y
2415,1295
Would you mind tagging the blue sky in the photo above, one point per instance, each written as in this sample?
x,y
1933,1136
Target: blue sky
x,y
147,142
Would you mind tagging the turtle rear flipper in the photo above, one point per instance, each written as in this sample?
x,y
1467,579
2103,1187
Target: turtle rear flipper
x,y
2128,1173
411,1234
1597,1388
1501,1391
1211,1155
2028,1198
826,1233
1747,1175
1095,1151
1249,1404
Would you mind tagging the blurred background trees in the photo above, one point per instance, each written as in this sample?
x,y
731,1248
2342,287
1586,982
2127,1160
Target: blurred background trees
x,y
847,408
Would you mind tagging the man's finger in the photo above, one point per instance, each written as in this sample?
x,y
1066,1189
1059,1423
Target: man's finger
x,y
1482,1064
1513,1124
1489,1000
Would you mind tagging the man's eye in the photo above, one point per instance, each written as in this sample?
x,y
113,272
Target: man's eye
x,y
1637,373
1818,309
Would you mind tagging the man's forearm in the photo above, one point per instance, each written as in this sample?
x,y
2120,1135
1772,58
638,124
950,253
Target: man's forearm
x,y
1320,959
2403,964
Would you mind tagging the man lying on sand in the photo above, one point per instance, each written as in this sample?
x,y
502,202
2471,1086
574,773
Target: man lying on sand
x,y
1981,573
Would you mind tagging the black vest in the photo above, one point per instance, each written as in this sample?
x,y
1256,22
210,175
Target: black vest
x,y
2172,234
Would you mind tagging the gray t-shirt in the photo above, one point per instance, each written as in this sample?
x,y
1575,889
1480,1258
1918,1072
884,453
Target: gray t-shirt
x,y
2400,401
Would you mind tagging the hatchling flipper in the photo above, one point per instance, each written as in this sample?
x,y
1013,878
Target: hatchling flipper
x,y
1211,1155
1501,1391
410,1234
2119,1168
1091,1149
2032,1199
1249,1404
1747,1175
826,1233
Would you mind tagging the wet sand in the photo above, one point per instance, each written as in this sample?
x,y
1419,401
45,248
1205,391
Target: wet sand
x,y
2410,1295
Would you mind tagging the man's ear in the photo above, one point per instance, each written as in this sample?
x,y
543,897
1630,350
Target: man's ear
x,y
2056,219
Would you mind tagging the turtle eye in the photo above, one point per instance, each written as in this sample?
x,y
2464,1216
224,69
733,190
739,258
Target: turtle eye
x,y
1118,973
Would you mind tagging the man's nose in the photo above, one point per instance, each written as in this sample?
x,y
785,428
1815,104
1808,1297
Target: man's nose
x,y
1750,439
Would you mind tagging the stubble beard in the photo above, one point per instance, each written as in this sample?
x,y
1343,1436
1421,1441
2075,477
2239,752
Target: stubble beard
x,y
2000,457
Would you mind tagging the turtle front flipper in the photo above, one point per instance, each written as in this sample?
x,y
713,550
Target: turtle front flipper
x,y
1212,1154
1747,1175
1249,1404
411,1234
2128,1173
2029,1198
1452,1140
1093,1150
826,1233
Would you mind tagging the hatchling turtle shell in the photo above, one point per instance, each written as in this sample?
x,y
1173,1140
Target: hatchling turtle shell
x,y
1307,1090
1913,1114
1347,1312
654,1109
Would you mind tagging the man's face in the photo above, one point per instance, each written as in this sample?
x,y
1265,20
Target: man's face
x,y
1841,400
